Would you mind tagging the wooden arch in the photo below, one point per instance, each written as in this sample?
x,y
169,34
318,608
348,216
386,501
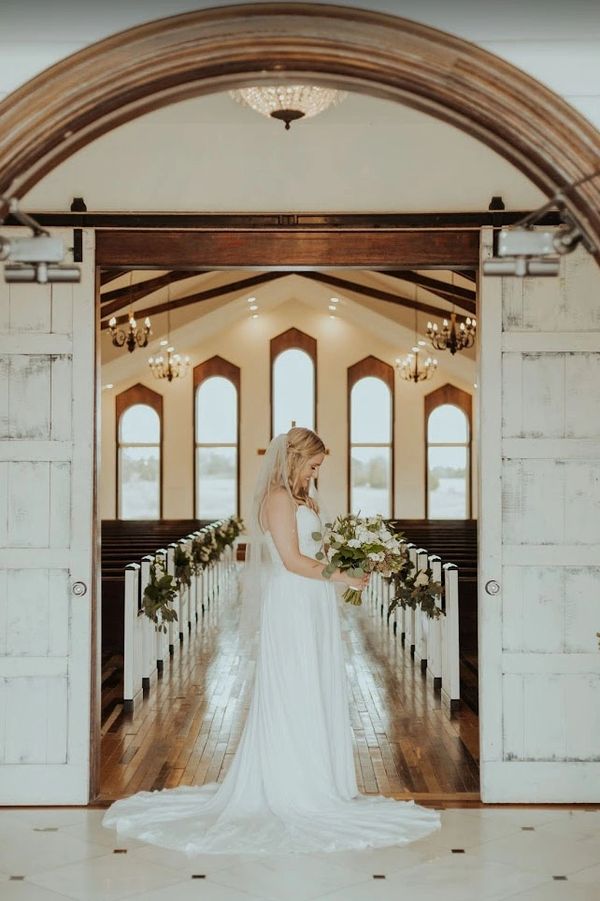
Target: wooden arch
x,y
158,63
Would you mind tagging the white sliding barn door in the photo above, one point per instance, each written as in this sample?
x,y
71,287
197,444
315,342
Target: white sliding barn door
x,y
46,513
539,532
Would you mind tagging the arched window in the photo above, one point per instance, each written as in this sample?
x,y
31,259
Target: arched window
x,y
293,381
216,446
448,448
139,453
371,445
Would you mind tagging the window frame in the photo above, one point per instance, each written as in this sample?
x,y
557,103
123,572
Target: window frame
x,y
292,339
376,368
216,366
138,394
450,394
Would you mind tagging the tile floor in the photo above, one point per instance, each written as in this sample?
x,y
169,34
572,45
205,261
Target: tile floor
x,y
525,854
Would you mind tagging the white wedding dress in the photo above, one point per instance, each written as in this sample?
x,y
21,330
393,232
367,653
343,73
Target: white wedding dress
x,y
291,785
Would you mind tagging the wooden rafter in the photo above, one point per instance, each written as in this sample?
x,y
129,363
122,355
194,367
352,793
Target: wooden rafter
x,y
398,299
230,288
463,297
113,301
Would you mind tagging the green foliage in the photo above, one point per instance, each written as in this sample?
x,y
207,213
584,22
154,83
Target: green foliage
x,y
183,567
414,589
159,594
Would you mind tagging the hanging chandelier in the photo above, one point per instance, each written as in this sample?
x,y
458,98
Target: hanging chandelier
x,y
450,338
411,368
288,102
173,366
134,336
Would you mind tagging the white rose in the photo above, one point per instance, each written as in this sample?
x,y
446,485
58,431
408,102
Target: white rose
x,y
354,542
335,536
422,579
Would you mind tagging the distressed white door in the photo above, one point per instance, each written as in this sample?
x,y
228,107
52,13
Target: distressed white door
x,y
539,531
46,512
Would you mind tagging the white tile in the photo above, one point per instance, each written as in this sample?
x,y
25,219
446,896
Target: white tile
x,y
178,860
27,891
94,831
291,878
557,891
587,876
541,852
26,852
107,878
195,889
458,877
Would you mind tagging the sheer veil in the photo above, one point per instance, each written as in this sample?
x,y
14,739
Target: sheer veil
x,y
273,473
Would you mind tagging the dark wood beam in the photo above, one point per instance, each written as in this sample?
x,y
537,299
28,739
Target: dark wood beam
x,y
289,249
113,301
463,297
209,294
109,275
468,274
346,285
153,221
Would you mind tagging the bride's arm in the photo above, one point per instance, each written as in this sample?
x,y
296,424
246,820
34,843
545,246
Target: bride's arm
x,y
282,525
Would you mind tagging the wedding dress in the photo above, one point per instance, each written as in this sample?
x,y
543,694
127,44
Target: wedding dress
x,y
291,785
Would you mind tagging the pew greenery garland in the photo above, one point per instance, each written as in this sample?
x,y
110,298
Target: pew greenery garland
x,y
414,589
159,595
183,567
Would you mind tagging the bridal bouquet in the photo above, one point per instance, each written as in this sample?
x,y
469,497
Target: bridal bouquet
x,y
358,546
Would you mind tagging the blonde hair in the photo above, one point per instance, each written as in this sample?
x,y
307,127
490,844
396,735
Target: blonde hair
x,y
302,444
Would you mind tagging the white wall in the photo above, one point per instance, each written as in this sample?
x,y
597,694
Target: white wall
x,y
245,342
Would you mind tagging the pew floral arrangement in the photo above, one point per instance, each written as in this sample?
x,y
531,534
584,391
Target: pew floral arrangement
x,y
201,553
159,595
415,589
357,546
183,567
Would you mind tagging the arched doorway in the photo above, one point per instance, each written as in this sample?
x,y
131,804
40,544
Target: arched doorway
x,y
159,63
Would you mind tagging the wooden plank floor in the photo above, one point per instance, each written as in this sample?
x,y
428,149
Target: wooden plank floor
x,y
186,729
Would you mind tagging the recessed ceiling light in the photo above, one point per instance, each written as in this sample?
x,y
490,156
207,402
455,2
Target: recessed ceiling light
x,y
106,387
255,315
332,307
334,299
422,343
331,316
251,299
475,384
254,306
164,342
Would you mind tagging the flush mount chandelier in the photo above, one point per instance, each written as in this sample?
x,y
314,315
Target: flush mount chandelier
x,y
288,102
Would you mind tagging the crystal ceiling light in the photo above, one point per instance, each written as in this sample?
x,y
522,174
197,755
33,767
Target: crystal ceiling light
x,y
288,102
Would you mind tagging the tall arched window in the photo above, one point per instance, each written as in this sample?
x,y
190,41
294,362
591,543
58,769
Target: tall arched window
x,y
371,444
216,449
448,448
293,381
139,453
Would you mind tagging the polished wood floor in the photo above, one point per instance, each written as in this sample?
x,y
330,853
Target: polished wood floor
x,y
186,730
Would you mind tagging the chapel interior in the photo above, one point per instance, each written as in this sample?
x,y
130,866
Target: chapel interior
x,y
273,346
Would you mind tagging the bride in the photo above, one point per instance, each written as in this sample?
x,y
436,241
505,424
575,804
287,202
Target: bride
x,y
291,785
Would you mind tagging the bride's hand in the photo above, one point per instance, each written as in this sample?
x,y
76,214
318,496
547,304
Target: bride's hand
x,y
358,582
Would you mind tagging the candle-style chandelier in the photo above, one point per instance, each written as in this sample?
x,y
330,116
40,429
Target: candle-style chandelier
x,y
412,368
450,338
134,336
173,366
